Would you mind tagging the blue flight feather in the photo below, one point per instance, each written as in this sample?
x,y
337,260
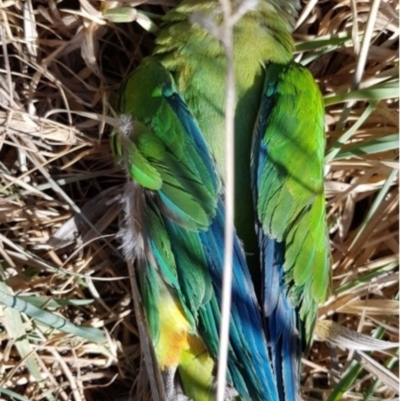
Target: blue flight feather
x,y
248,356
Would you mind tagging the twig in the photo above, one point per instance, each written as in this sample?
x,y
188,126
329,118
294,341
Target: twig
x,y
227,41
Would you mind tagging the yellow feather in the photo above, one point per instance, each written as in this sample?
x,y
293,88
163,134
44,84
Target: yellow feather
x,y
174,331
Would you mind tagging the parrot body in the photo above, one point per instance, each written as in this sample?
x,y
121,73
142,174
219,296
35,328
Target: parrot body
x,y
171,140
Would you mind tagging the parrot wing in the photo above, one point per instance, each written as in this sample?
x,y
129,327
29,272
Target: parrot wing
x,y
287,169
174,230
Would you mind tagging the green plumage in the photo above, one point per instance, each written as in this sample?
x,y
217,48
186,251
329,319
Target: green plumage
x,y
162,157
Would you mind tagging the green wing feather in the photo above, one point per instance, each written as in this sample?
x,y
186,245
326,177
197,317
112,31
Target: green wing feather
x,y
290,203
155,147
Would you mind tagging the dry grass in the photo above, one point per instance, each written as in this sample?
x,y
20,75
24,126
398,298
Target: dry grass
x,y
61,64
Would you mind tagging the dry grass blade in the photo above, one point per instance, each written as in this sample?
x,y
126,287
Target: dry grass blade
x,y
335,334
60,67
386,376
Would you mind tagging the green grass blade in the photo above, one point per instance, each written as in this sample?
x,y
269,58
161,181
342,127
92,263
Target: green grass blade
x,y
50,319
377,201
351,374
12,395
366,278
54,303
15,329
349,377
324,41
385,90
389,364
337,146
383,144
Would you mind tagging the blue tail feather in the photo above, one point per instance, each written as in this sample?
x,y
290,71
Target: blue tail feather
x,y
280,321
249,360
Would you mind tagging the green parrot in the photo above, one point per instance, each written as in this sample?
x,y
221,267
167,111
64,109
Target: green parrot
x,y
170,140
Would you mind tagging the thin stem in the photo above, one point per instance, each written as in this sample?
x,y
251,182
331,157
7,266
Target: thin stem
x,y
227,39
